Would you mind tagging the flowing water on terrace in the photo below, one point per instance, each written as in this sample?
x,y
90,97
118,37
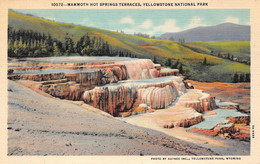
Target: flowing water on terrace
x,y
143,81
220,117
224,103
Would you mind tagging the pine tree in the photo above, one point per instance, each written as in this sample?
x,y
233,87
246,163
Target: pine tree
x,y
24,43
205,61
247,78
174,66
20,44
155,60
68,45
43,48
107,51
15,44
24,46
56,50
241,77
228,56
179,67
168,62
34,44
10,45
235,78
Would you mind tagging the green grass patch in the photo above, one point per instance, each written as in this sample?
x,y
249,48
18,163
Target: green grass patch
x,y
239,49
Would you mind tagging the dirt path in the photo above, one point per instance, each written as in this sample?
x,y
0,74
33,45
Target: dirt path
x,y
40,125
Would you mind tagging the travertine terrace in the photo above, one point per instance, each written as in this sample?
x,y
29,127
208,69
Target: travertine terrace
x,y
114,85
135,90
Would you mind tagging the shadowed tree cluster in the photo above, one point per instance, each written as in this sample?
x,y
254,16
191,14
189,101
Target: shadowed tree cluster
x,y
242,77
94,46
177,65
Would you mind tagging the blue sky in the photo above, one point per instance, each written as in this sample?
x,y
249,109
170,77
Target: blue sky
x,y
152,22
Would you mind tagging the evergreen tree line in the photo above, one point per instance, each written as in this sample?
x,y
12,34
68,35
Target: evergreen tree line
x,y
180,40
242,77
144,35
94,46
177,65
28,43
229,56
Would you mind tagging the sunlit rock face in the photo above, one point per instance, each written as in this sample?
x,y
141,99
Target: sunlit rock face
x,y
86,77
157,97
115,98
80,81
69,91
240,120
99,77
140,69
168,72
208,103
160,95
90,78
198,100
189,122
38,77
112,72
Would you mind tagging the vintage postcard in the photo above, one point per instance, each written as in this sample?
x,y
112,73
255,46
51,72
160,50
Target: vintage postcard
x,y
129,81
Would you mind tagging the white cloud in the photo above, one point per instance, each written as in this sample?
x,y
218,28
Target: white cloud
x,y
195,22
151,33
127,20
231,19
147,28
168,26
86,22
146,24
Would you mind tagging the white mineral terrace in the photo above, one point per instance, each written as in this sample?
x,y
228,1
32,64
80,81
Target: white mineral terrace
x,y
77,59
143,85
137,69
50,71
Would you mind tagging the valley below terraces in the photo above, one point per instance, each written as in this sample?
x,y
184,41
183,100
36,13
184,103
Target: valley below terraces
x,y
121,106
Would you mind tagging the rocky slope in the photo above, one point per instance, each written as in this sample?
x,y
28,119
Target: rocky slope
x,y
40,125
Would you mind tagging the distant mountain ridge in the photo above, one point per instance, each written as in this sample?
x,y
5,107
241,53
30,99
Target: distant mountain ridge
x,y
221,32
